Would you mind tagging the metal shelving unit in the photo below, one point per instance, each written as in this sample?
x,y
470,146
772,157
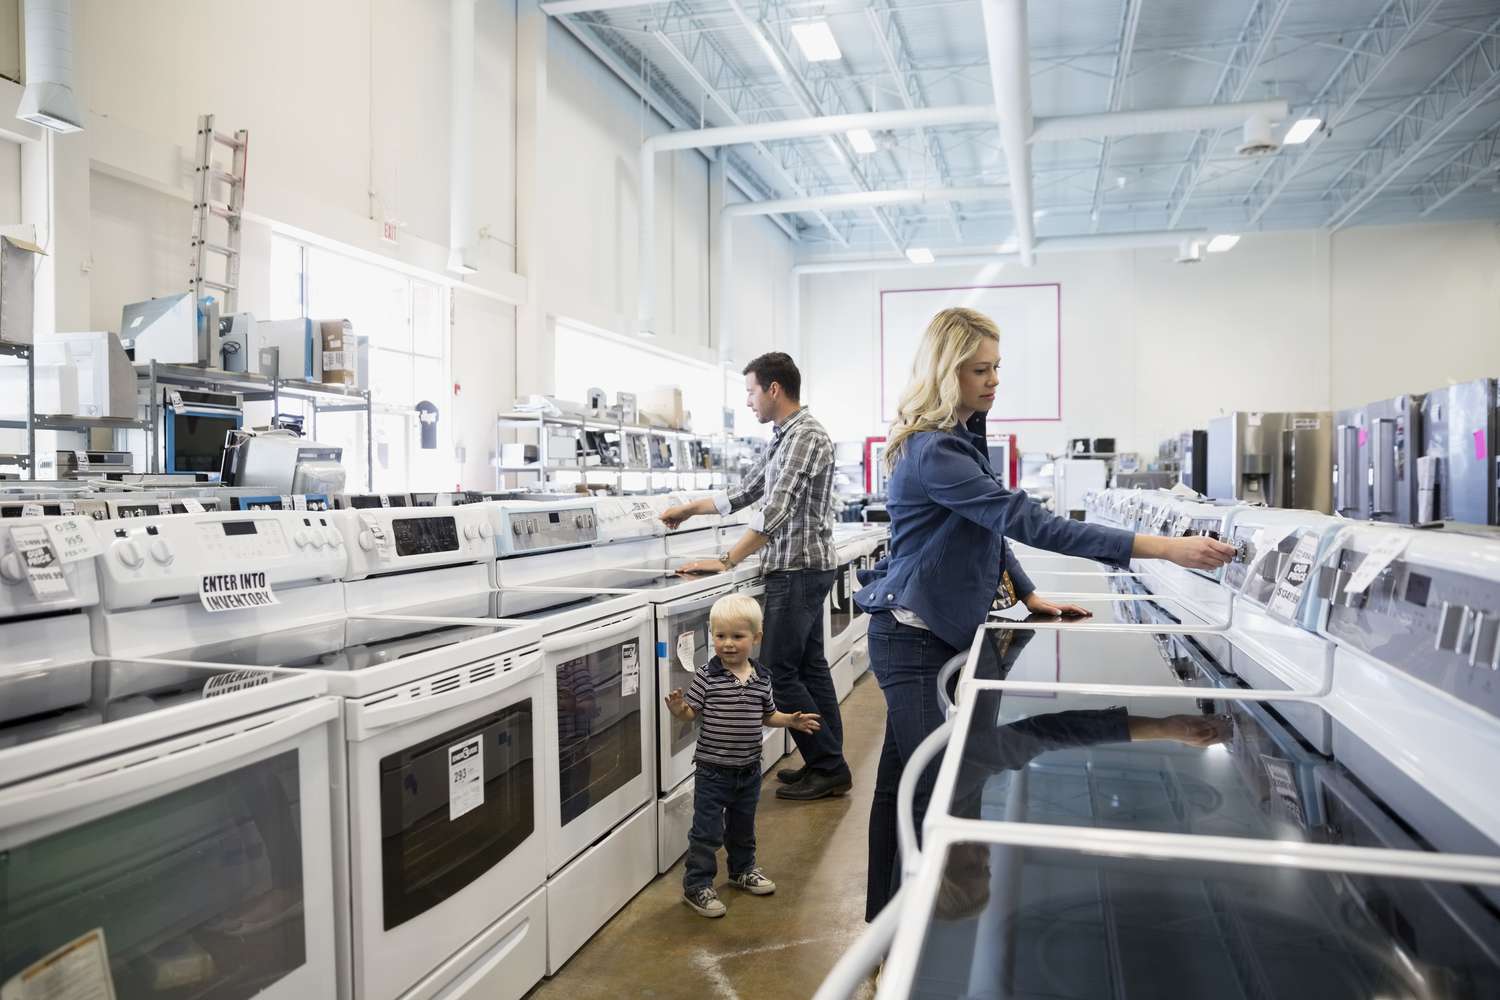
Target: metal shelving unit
x,y
540,423
25,461
253,388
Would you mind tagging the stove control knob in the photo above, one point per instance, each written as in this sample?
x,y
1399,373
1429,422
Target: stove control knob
x,y
471,532
334,538
1486,639
367,540
130,554
1450,623
302,538
162,552
485,531
11,569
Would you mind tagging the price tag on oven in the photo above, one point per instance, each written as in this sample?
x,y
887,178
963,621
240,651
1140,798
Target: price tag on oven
x,y
465,777
374,536
192,506
686,648
630,668
164,506
73,538
43,569
1384,553
1288,592
33,510
79,970
299,501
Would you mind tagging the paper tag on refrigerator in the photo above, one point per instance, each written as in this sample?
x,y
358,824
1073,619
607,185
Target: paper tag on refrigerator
x,y
235,680
73,538
79,970
630,668
235,592
44,570
465,777
685,650
1375,563
1288,592
192,506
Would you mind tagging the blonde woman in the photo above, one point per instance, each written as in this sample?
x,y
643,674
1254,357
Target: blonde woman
x,y
949,518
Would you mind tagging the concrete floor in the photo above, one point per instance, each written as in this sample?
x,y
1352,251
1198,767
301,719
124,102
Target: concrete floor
x,y
776,947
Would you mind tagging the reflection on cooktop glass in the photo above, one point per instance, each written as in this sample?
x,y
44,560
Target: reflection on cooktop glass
x,y
353,645
1018,922
68,697
1102,657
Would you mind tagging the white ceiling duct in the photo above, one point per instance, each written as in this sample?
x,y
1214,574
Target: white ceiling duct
x,y
1258,140
461,228
48,98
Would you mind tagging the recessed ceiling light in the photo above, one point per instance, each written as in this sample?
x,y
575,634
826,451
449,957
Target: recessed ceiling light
x,y
815,39
1222,242
862,141
920,255
1302,130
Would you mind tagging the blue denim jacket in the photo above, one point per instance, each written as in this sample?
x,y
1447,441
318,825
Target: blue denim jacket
x,y
949,518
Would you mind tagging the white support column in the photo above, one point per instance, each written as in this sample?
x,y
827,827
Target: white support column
x,y
534,363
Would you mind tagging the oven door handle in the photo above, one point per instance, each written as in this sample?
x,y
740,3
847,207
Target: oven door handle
x,y
691,604
161,764
574,637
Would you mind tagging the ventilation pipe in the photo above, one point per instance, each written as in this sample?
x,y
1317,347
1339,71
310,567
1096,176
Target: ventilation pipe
x,y
461,227
1046,245
1010,76
850,201
48,98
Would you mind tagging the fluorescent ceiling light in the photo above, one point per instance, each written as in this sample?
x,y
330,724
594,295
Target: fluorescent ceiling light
x,y
1302,130
862,141
815,39
920,255
1222,242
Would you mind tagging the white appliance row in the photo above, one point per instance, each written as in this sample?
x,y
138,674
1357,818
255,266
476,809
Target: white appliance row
x,y
1350,671
493,752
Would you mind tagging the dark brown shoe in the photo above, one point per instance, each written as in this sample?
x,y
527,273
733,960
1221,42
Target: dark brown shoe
x,y
816,785
791,775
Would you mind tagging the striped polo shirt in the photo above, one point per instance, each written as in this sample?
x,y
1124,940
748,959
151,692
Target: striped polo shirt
x,y
729,714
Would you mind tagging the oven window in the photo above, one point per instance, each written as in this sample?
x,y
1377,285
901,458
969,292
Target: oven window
x,y
427,857
598,728
693,625
199,892
841,602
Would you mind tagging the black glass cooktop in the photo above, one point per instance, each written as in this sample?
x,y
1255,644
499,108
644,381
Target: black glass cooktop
x,y
522,604
1032,923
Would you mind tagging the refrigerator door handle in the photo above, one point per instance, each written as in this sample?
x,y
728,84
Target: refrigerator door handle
x,y
1383,461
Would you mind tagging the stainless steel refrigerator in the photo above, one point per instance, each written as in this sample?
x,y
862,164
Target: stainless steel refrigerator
x,y
1193,447
1278,459
1456,472
1376,448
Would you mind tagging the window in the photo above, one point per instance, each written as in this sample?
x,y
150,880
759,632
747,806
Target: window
x,y
406,321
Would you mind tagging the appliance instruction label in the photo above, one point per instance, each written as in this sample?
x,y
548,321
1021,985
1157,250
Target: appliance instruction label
x,y
44,570
235,591
1375,563
74,538
1288,593
630,667
465,777
1307,424
685,650
79,970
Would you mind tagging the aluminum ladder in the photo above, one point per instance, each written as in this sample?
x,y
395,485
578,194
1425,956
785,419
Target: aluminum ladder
x,y
209,177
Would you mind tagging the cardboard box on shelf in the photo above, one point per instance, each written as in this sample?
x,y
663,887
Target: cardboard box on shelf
x,y
17,288
106,380
56,390
339,352
662,406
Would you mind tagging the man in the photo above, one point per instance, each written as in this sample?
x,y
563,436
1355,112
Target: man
x,y
794,526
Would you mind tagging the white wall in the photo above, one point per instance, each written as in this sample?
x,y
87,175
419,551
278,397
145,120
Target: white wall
x,y
1299,320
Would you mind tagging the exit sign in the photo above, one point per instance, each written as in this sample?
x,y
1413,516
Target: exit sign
x,y
389,230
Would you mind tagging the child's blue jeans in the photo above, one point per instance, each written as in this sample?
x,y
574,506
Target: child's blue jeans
x,y
724,800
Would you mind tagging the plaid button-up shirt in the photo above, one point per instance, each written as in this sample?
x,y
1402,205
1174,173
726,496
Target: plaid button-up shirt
x,y
796,480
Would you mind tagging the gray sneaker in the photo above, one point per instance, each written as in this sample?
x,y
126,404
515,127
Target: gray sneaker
x,y
754,882
704,902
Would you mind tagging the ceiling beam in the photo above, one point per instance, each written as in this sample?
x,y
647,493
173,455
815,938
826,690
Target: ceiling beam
x,y
1466,167
898,61
1384,39
1130,19
1469,81
1256,36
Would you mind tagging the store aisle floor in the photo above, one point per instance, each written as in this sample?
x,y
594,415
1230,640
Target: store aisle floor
x,y
775,947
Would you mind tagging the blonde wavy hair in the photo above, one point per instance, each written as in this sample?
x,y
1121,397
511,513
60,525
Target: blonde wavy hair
x,y
931,399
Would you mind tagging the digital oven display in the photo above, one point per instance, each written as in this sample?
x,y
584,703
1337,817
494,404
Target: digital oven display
x,y
417,536
239,527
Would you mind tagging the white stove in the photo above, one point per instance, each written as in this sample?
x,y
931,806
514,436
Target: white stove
x,y
199,794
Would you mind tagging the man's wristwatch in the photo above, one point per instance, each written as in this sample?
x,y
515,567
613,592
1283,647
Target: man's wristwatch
x,y
723,557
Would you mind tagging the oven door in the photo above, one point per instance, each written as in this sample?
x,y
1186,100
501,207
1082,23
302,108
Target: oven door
x,y
684,643
199,866
446,806
774,743
839,617
599,728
